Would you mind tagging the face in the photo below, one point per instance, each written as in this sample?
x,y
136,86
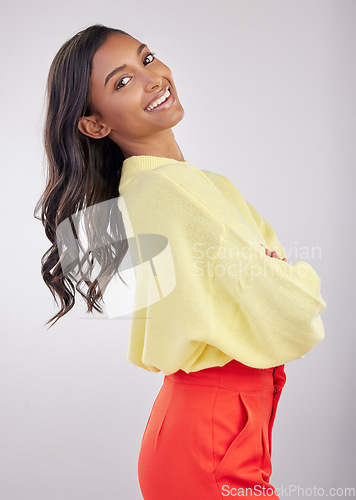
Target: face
x,y
119,97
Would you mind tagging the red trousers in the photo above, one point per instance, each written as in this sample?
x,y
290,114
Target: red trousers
x,y
208,436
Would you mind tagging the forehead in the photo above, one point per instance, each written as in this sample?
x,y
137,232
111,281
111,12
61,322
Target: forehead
x,y
117,49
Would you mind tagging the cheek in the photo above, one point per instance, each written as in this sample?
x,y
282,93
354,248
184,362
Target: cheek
x,y
126,115
128,110
168,73
116,111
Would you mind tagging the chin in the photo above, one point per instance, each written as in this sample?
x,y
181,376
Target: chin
x,y
177,120
180,115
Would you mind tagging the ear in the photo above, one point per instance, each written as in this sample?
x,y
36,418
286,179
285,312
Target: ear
x,y
88,125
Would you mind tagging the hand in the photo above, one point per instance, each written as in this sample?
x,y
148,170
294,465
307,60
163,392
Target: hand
x,y
273,254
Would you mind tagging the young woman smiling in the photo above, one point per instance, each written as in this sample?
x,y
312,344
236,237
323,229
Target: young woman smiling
x,y
222,326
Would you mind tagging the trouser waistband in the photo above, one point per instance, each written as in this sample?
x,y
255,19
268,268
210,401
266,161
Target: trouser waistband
x,y
234,376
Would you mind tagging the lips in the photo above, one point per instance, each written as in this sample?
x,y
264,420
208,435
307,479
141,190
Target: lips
x,y
158,96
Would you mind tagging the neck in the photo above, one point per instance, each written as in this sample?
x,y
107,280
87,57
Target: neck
x,y
162,144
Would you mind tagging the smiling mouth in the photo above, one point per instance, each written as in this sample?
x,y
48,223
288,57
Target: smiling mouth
x,y
161,102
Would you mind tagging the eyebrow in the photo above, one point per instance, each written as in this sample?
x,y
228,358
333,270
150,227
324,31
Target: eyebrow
x,y
123,66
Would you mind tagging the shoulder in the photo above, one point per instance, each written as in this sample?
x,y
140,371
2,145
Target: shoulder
x,y
179,190
183,179
221,181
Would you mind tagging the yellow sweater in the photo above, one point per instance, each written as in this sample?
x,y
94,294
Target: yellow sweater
x,y
229,299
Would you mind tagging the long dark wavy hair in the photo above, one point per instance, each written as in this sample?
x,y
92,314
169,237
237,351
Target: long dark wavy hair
x,y
81,172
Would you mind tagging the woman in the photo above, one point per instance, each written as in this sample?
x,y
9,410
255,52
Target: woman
x,y
222,322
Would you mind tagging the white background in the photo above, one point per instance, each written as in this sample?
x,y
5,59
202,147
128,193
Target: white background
x,y
268,88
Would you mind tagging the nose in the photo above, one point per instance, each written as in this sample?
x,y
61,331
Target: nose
x,y
153,80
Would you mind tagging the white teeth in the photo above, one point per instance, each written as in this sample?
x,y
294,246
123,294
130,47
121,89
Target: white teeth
x,y
159,101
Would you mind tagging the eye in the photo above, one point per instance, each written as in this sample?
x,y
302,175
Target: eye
x,y
118,84
150,54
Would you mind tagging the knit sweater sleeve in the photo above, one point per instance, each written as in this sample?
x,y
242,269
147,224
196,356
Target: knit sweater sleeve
x,y
275,304
268,232
230,297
